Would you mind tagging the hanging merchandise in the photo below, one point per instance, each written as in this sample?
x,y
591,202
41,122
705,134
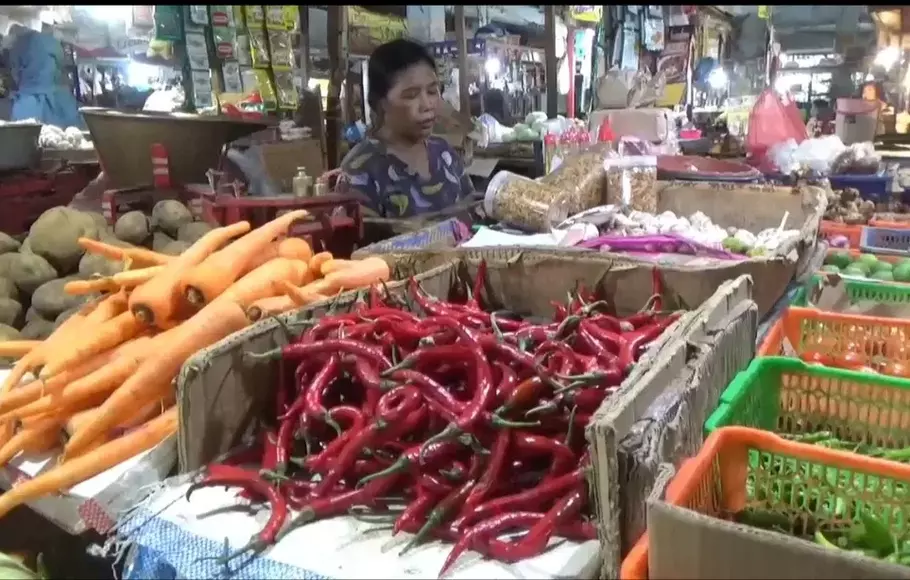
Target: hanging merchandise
x,y
223,32
168,23
285,90
259,48
292,18
653,28
242,49
274,18
230,72
281,49
261,83
202,89
197,52
255,17
198,15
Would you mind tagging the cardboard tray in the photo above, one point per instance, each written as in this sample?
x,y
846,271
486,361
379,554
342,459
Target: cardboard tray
x,y
221,399
754,208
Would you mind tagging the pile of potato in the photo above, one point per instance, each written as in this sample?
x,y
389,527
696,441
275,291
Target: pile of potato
x,y
34,271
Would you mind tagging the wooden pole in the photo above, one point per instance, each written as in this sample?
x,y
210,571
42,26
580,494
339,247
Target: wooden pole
x,y
551,64
461,44
304,45
337,40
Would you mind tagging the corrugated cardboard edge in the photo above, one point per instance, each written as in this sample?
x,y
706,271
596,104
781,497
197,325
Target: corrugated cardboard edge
x,y
683,543
617,415
673,428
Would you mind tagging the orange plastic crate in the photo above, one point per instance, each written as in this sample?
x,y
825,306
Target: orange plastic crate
x,y
831,335
889,224
853,233
739,467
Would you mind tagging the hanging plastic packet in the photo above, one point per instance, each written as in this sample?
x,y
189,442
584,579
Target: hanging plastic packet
x,y
259,48
292,18
202,90
242,49
197,52
255,17
221,16
238,17
285,90
274,18
168,23
263,84
198,15
230,73
280,49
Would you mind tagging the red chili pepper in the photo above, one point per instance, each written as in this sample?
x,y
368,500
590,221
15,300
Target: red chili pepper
x,y
508,380
251,481
537,538
408,461
559,311
525,393
355,422
530,500
640,338
429,387
561,457
336,504
486,530
490,477
450,505
610,340
415,513
300,351
269,450
315,392
480,281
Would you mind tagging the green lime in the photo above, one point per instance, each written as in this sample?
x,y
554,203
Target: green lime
x,y
856,270
901,272
869,259
831,268
883,275
884,267
839,259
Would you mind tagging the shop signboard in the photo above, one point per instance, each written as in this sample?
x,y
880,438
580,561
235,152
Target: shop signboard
x,y
367,30
589,14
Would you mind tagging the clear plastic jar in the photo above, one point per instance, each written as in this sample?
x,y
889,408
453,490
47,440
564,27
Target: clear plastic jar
x,y
581,179
524,203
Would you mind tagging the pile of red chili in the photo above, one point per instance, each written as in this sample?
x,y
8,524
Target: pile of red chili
x,y
473,420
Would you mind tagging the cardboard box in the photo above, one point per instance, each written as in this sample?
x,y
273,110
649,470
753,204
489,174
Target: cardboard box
x,y
282,159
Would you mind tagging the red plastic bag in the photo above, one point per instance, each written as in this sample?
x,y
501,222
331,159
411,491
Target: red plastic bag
x,y
773,120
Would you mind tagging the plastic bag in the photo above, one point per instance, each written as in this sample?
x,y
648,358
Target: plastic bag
x,y
773,120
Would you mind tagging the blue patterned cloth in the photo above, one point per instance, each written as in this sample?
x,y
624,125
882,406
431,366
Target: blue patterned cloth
x,y
391,189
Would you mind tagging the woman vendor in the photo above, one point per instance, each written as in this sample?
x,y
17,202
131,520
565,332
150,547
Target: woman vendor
x,y
401,170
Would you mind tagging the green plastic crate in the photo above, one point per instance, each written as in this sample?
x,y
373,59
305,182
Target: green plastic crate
x,y
859,290
788,396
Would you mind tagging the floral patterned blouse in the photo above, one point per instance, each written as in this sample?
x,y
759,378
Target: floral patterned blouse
x,y
391,189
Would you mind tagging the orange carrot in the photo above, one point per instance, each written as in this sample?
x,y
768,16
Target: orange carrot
x,y
18,348
38,388
81,418
105,336
36,357
205,282
156,301
91,463
317,261
260,283
152,380
270,306
36,438
139,256
336,264
78,419
366,272
91,387
293,248
298,295
128,279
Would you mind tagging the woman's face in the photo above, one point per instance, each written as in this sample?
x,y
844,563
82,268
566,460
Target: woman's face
x,y
410,107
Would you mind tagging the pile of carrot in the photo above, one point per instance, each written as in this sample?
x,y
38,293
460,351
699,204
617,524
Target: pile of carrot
x,y
104,378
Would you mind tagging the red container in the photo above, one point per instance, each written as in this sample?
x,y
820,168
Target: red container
x,y
853,233
337,224
25,195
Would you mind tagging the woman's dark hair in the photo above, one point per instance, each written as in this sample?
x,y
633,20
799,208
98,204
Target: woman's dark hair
x,y
387,61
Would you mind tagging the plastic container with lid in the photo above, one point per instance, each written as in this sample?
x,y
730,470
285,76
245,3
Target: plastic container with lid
x,y
524,203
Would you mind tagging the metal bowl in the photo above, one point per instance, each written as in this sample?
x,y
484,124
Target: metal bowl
x,y
194,143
